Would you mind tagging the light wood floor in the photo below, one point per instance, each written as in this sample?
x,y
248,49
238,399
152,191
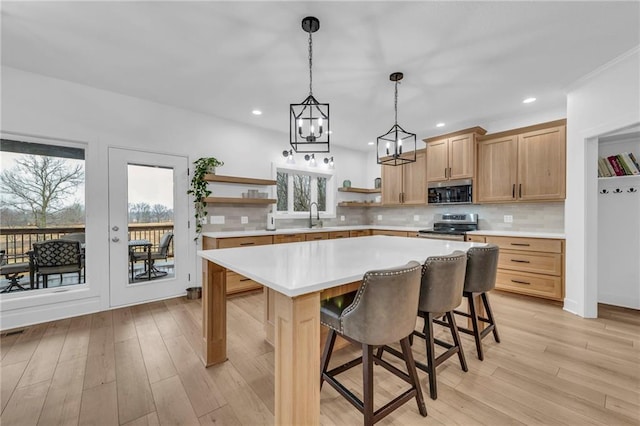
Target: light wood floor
x,y
137,366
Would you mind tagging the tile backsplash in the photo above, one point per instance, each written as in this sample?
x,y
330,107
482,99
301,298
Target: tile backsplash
x,y
542,217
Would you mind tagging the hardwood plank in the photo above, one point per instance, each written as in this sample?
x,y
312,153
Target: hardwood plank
x,y
62,404
25,405
7,342
123,325
632,411
600,384
167,326
173,403
156,358
43,362
150,419
134,393
222,416
99,405
203,392
76,344
21,350
10,375
102,319
101,362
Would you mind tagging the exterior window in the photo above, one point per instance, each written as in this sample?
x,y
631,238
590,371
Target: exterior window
x,y
43,198
297,188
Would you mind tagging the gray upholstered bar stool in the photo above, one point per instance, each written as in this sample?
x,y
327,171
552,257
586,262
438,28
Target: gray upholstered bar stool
x,y
482,267
440,294
381,312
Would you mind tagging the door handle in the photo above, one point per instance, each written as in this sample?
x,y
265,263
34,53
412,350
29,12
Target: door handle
x,y
115,228
445,172
115,239
513,191
520,190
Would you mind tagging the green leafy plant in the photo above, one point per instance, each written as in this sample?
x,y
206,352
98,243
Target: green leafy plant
x,y
199,190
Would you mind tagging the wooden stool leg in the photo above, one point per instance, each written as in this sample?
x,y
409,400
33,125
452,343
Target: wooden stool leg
x,y
474,322
431,356
326,354
487,307
413,374
367,380
456,340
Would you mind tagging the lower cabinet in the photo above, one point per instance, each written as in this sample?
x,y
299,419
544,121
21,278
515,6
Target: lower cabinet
x,y
391,233
531,266
360,233
236,283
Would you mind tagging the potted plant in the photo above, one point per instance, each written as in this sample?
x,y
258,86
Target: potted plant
x,y
199,190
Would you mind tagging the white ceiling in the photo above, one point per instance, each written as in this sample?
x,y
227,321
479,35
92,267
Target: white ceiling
x,y
465,63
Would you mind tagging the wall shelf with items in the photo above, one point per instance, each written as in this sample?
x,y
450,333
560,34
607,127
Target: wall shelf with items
x,y
358,204
238,200
239,180
360,190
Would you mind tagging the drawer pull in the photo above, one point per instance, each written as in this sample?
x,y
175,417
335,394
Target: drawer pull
x,y
245,279
520,261
520,282
247,244
521,244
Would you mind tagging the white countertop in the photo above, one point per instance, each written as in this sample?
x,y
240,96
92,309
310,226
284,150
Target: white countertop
x,y
526,234
299,268
285,231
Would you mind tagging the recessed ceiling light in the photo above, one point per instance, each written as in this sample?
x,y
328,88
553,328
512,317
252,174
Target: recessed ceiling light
x,y
440,125
256,112
370,143
529,100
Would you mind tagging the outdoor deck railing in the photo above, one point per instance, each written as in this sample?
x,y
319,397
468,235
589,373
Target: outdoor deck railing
x,y
18,241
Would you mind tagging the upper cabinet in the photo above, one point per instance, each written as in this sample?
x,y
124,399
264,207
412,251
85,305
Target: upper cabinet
x,y
526,164
405,184
451,156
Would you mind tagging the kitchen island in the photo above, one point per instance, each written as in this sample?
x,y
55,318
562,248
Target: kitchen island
x,y
298,273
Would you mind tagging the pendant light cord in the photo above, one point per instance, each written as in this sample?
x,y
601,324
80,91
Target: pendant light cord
x,y
310,64
395,103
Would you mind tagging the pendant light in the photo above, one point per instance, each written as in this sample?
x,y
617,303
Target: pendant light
x,y
397,146
309,120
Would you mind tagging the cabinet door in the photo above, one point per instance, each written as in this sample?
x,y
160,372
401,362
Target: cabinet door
x,y
497,166
391,184
461,156
437,161
415,180
541,165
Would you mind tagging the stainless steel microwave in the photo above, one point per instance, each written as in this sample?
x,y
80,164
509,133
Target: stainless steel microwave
x,y
450,192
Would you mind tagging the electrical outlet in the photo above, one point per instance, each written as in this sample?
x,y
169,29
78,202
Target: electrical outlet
x,y
217,220
244,220
508,218
342,218
379,217
416,218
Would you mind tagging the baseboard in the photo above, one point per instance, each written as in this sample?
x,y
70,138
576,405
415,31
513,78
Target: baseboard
x,y
571,306
24,317
619,300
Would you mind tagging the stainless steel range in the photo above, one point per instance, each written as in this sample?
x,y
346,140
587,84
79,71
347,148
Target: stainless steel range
x,y
451,226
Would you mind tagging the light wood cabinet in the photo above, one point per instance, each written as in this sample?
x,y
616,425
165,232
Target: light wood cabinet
x,y
527,164
236,283
316,236
405,184
475,239
451,156
531,266
390,233
334,235
288,238
360,233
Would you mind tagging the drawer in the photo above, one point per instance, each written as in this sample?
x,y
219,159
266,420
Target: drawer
x,y
545,286
338,234
317,236
244,241
236,283
288,238
475,238
360,233
528,244
389,233
540,263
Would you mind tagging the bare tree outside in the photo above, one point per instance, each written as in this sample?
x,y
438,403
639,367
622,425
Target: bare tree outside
x,y
40,185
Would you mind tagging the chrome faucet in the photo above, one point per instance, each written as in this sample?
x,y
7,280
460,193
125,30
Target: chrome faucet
x,y
311,214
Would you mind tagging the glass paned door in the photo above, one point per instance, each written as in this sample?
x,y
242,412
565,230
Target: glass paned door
x,y
148,210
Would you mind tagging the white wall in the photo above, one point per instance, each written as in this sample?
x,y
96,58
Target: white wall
x,y
604,101
36,105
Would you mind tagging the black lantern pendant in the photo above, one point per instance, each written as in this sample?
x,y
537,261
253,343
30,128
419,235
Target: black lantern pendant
x,y
397,146
309,120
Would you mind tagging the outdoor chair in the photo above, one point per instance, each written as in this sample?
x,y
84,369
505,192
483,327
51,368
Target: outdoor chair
x,y
160,254
56,257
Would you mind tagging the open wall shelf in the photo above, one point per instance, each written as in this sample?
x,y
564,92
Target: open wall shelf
x,y
240,180
237,200
360,190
